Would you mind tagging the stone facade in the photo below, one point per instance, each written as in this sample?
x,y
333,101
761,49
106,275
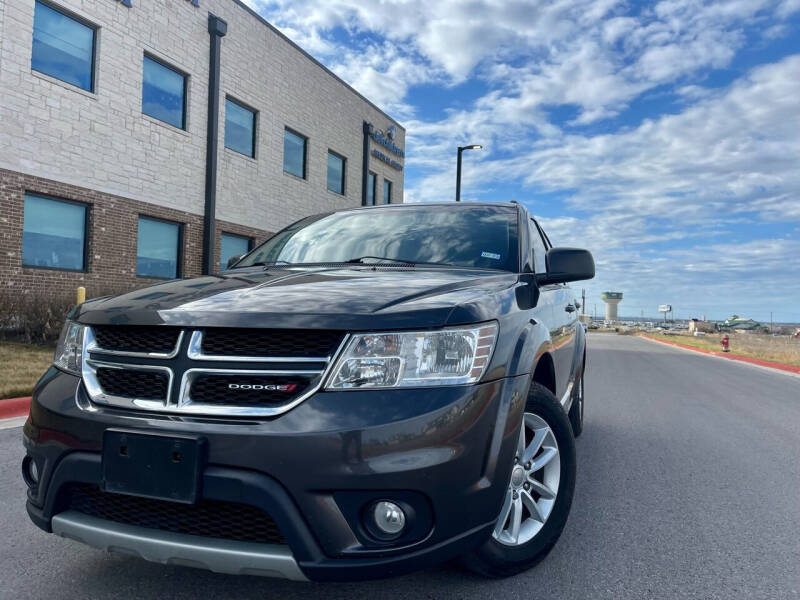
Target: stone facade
x,y
98,148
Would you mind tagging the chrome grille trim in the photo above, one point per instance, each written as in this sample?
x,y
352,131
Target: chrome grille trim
x,y
92,346
195,352
181,403
186,405
96,393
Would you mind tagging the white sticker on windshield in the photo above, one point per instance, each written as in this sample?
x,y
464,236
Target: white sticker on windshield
x,y
491,255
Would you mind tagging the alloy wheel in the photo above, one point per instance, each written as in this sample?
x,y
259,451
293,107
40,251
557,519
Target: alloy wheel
x,y
533,488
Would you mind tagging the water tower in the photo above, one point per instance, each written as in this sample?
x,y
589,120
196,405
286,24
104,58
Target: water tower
x,y
611,299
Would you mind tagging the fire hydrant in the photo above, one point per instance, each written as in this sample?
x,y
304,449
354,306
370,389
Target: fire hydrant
x,y
725,343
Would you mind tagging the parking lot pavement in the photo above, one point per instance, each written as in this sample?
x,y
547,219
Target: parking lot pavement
x,y
688,487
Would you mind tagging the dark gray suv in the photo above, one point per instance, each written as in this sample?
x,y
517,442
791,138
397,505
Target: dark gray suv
x,y
366,393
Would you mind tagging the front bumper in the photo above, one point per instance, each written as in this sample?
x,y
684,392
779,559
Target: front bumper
x,y
445,451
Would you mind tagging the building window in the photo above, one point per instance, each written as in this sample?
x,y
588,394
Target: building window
x,y
387,191
336,164
294,153
54,233
371,183
233,245
240,128
63,47
158,249
163,93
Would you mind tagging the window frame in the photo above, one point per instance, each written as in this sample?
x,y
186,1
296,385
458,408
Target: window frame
x,y
86,23
343,158
86,225
386,200
249,108
179,255
534,229
305,152
181,72
251,243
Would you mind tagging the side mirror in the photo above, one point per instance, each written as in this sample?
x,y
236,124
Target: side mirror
x,y
233,260
567,264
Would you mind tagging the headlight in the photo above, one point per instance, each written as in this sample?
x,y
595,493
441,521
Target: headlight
x,y
415,359
69,351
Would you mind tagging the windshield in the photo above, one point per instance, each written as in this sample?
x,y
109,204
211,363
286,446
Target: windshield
x,y
463,236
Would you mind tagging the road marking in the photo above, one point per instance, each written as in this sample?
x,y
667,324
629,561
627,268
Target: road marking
x,y
727,360
13,422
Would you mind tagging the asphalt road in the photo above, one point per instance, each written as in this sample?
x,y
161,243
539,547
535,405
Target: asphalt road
x,y
688,487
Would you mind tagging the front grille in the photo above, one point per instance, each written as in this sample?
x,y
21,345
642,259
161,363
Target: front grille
x,y
207,518
252,390
135,338
277,343
127,383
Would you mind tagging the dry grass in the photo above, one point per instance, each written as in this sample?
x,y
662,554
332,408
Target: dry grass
x,y
21,366
783,350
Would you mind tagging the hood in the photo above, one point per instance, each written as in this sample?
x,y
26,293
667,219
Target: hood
x,y
358,298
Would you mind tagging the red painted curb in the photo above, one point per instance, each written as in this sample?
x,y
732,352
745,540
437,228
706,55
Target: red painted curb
x,y
739,357
14,407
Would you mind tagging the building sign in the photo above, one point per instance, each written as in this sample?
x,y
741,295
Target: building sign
x,y
386,141
387,159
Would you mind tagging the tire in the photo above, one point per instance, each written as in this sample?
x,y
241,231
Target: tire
x,y
499,555
578,406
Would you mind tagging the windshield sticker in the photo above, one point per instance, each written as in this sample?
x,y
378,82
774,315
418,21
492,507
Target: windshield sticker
x,y
491,255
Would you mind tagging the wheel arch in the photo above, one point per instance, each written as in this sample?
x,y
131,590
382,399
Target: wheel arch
x,y
545,372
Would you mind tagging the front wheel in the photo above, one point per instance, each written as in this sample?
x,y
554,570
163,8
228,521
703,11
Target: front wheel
x,y
539,495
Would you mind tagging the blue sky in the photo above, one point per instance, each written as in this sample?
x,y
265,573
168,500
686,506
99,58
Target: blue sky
x,y
664,136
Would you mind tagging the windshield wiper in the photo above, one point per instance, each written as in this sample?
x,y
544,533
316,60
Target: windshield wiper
x,y
267,263
412,263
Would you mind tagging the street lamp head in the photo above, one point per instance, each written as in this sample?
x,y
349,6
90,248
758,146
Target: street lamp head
x,y
472,147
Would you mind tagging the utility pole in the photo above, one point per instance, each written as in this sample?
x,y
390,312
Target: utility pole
x,y
770,322
583,301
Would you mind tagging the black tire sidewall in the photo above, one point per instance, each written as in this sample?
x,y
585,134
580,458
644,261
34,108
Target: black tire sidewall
x,y
498,560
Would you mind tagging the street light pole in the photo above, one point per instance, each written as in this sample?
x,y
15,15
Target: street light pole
x,y
458,167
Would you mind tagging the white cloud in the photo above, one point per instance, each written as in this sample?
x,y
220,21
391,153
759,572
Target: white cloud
x,y
657,200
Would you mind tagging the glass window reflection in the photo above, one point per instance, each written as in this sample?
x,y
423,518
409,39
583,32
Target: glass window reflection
x,y
63,47
240,124
53,234
163,93
294,153
157,249
335,173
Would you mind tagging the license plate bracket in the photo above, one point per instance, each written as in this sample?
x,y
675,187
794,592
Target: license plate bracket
x,y
163,467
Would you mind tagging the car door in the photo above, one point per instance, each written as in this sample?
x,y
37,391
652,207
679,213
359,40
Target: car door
x,y
558,303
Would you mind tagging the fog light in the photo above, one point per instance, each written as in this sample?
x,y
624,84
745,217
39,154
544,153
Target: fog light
x,y
388,517
30,471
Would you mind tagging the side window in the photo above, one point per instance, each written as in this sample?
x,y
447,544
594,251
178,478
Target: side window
x,y
539,249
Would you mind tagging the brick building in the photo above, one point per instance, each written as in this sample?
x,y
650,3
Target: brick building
x,y
151,139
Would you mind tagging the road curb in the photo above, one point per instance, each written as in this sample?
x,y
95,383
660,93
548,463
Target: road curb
x,y
738,357
15,407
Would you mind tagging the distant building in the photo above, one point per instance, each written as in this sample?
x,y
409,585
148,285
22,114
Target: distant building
x,y
737,323
700,325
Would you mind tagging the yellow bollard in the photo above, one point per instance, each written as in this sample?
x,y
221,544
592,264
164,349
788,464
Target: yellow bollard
x,y
81,294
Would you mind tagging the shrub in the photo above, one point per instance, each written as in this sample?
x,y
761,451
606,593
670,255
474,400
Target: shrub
x,y
36,318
